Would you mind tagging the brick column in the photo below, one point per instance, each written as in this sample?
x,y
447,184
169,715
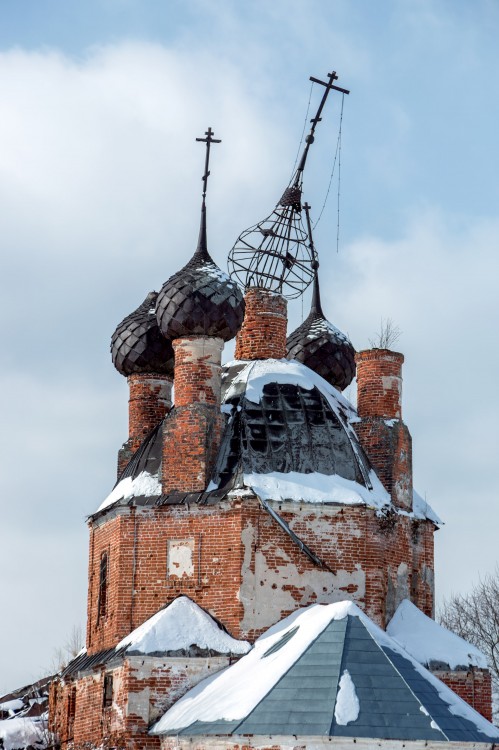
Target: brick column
x,y
263,332
150,399
383,435
192,433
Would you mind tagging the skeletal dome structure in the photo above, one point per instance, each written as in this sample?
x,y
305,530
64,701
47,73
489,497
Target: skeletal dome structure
x,y
138,346
318,344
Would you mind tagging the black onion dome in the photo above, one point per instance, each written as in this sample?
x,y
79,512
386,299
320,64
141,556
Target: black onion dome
x,y
322,347
200,300
137,345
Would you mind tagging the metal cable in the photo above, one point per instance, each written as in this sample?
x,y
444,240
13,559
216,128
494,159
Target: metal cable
x,y
336,154
302,132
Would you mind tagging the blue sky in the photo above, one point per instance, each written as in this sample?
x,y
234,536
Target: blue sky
x,y
99,187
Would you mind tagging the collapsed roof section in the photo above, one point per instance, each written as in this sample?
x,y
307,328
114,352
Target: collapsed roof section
x,y
326,670
289,437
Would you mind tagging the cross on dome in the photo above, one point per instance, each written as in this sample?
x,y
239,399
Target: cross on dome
x,y
208,140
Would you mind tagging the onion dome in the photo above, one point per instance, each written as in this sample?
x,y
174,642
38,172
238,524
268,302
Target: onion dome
x,y
138,346
200,300
322,347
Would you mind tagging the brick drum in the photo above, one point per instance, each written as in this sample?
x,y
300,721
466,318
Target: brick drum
x,y
263,332
192,432
379,383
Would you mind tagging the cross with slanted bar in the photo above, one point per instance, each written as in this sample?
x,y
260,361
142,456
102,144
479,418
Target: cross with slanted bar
x,y
208,140
310,137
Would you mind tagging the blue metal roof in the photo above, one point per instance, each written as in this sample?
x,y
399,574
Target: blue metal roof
x,y
397,698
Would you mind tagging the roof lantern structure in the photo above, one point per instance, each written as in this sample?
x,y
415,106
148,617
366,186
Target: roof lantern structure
x,y
317,343
275,253
200,299
138,346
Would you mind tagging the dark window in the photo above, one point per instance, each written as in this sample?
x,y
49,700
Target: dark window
x,y
103,580
71,709
108,690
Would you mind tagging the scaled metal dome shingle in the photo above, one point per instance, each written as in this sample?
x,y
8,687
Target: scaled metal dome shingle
x,y
138,346
200,299
322,347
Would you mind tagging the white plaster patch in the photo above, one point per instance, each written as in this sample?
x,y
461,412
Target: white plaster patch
x,y
138,704
180,558
268,593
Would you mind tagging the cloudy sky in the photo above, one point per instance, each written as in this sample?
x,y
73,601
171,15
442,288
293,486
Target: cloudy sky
x,y
100,103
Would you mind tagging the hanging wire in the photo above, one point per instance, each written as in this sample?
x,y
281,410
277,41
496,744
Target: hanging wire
x,y
303,131
339,185
336,154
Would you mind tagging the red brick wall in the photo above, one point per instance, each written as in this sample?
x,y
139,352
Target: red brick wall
x,y
246,570
192,433
383,435
144,688
379,383
149,401
474,687
263,332
389,447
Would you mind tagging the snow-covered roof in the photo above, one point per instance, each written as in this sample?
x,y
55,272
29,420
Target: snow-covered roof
x,y
182,628
178,627
430,643
326,670
289,437
292,438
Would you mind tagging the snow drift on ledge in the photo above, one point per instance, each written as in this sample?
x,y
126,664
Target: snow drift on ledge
x,y
427,641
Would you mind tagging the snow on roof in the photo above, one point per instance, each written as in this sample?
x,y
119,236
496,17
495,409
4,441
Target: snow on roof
x,y
19,733
317,488
312,487
259,373
179,626
321,325
144,484
231,695
427,641
422,509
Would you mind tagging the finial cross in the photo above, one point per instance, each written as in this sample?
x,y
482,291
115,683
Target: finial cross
x,y
310,137
208,140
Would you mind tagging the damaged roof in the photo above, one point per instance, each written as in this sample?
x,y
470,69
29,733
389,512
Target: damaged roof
x,y
288,436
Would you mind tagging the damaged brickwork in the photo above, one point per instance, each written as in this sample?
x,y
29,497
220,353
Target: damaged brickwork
x,y
142,689
235,561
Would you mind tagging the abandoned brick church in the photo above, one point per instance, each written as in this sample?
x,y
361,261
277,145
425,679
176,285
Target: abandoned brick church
x,y
262,574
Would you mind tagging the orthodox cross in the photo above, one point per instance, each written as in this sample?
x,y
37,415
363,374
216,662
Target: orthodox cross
x,y
208,140
310,137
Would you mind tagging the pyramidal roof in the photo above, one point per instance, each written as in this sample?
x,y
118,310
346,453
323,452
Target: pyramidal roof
x,y
429,643
326,670
182,628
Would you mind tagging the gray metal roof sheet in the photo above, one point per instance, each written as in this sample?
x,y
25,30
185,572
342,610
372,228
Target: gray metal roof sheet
x,y
395,699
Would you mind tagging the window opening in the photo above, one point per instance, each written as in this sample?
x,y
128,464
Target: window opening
x,y
103,581
71,709
108,690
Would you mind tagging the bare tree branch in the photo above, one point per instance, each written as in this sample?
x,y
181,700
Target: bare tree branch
x,y
387,335
475,617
